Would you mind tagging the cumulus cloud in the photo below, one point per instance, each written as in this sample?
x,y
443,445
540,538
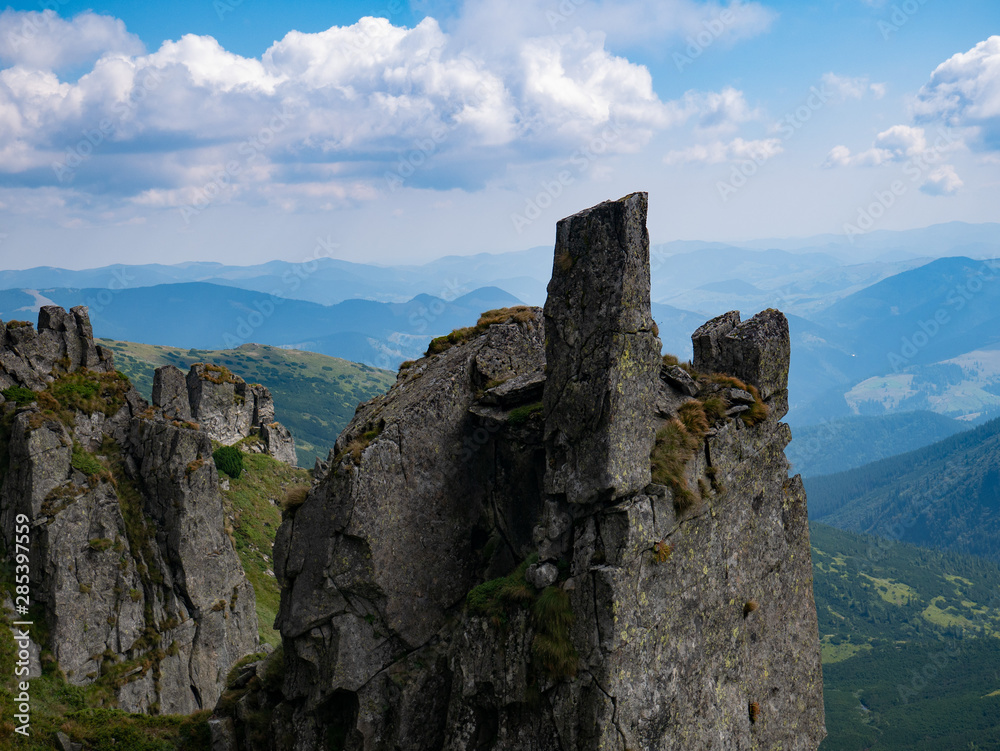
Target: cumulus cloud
x,y
900,143
943,181
716,152
43,40
325,117
964,92
845,87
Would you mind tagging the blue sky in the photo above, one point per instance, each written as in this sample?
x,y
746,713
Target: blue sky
x,y
246,131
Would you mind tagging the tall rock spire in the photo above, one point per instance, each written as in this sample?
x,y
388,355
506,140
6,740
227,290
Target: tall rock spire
x,y
602,355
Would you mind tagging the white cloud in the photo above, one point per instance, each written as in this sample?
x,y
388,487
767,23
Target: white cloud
x,y
46,41
964,92
845,87
900,143
943,181
337,115
735,150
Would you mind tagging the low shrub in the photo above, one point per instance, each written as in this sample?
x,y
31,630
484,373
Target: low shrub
x,y
19,395
229,460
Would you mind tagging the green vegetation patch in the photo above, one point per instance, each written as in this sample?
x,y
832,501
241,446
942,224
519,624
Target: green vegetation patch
x,y
254,520
521,415
495,598
229,460
19,395
87,391
86,462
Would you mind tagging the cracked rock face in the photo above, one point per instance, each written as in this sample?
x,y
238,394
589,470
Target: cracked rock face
x,y
602,357
633,619
129,558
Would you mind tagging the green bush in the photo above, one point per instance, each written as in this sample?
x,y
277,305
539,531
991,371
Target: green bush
x,y
19,394
229,459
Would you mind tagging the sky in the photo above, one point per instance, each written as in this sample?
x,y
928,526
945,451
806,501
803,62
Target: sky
x,y
389,132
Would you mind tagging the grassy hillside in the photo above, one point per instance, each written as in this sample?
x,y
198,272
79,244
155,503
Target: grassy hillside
x,y
253,509
314,395
911,645
851,442
945,495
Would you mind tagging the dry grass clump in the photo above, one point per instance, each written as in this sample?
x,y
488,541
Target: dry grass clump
x,y
674,447
758,410
517,314
295,496
216,374
552,646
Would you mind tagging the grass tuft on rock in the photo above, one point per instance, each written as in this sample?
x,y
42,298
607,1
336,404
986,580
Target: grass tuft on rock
x,y
494,599
674,447
517,314
521,415
552,648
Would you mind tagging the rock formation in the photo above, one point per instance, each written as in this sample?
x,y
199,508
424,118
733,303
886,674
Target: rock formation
x,y
131,569
225,406
544,538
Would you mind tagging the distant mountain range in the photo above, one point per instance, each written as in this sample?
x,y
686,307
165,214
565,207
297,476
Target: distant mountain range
x,y
945,495
882,326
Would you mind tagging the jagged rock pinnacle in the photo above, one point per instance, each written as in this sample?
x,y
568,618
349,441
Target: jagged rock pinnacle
x,y
602,357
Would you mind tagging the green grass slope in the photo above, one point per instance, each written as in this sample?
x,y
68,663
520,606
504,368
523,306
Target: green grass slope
x,y
910,642
314,395
253,509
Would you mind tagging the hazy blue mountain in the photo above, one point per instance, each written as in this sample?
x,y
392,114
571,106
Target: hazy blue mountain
x,y
208,316
851,442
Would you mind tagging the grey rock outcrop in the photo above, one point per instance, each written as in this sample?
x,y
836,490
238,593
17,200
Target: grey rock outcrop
x,y
470,571
225,406
756,351
130,562
63,342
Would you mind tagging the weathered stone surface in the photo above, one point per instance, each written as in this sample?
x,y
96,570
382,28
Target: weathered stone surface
x,y
756,351
229,409
135,570
63,342
442,484
170,393
214,404
278,442
602,357
680,379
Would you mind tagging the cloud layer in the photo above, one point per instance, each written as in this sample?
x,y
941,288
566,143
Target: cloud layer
x,y
327,118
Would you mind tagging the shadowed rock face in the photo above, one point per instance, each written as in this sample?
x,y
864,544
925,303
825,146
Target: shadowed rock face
x,y
646,617
128,554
